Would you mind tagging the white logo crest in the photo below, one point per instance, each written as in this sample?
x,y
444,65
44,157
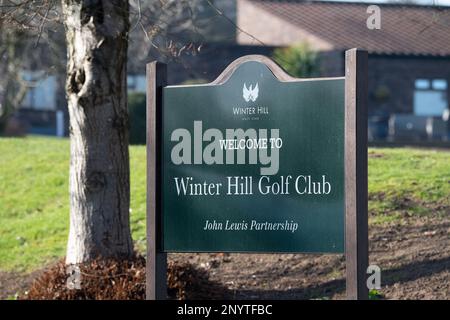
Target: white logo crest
x,y
250,93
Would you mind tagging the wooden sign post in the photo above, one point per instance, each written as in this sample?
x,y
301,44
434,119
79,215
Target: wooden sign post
x,y
258,161
356,217
156,268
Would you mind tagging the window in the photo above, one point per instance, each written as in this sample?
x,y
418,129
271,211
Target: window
x,y
41,91
131,83
136,83
430,97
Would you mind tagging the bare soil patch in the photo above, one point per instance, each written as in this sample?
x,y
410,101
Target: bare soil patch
x,y
13,283
414,257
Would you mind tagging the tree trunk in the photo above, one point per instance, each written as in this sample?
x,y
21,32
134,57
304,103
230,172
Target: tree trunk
x,y
97,40
12,86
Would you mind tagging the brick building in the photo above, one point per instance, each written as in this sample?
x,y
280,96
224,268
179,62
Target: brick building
x,y
409,56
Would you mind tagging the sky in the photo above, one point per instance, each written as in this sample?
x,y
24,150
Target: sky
x,y
424,2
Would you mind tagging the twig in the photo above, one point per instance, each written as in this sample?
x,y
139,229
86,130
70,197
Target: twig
x,y
219,12
41,26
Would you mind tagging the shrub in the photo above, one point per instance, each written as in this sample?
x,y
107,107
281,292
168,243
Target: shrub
x,y
194,81
299,60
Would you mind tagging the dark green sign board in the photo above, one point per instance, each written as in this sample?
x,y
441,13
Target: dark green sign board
x,y
258,161
254,164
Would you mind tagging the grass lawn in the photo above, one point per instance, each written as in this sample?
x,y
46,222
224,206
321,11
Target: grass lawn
x,y
34,202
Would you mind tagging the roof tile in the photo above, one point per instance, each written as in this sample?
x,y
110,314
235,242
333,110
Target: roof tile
x,y
405,29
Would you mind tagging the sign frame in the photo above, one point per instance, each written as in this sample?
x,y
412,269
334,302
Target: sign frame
x,y
355,169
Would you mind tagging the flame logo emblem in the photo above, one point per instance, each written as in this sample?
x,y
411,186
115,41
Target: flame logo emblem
x,y
250,93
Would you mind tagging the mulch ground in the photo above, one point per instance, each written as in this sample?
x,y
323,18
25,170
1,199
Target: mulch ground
x,y
414,258
413,255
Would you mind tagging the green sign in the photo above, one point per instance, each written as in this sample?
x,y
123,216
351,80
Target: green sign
x,y
254,164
